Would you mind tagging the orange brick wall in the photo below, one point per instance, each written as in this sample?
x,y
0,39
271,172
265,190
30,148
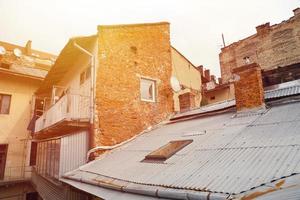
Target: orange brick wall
x,y
125,53
249,91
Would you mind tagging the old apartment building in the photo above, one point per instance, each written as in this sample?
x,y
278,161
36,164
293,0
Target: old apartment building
x,y
22,71
103,91
276,48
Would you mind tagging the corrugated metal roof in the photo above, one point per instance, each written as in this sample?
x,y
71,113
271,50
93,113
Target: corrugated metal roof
x,y
230,154
283,89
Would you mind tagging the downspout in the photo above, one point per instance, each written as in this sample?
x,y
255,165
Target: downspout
x,y
92,93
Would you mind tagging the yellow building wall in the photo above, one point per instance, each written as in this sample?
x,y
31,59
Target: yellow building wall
x,y
219,95
188,76
13,126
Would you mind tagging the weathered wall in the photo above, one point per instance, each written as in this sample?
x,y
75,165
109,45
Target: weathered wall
x,y
270,47
13,126
188,76
125,54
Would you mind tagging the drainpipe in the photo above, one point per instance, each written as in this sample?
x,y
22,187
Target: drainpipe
x,y
92,93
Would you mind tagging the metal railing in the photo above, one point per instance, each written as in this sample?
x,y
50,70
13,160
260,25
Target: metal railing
x,y
16,173
69,107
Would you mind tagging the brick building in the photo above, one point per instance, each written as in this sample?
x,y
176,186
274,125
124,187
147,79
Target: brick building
x,y
102,91
271,47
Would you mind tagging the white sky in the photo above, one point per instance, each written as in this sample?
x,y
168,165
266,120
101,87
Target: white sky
x,y
196,25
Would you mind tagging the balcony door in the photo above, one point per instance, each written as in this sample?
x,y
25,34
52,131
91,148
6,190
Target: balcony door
x,y
3,153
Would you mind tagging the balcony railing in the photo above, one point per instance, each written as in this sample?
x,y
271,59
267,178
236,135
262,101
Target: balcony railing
x,y
68,107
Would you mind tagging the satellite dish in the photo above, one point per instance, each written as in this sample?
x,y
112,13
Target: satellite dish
x,y
2,50
17,52
175,84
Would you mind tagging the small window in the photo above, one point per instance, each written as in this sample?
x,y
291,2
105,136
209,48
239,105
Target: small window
x,y
166,151
147,90
212,98
5,103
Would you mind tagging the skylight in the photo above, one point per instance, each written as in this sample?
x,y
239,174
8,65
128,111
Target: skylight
x,y
166,151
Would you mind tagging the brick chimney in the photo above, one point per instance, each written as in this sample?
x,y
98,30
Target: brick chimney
x,y
213,78
207,74
220,81
200,69
186,101
248,86
263,29
28,48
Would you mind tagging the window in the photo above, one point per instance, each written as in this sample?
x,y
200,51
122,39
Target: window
x,y
4,103
48,155
147,90
166,151
85,75
212,98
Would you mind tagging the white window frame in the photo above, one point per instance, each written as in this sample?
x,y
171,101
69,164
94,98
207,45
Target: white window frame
x,y
154,83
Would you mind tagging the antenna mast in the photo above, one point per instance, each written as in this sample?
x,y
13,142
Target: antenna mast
x,y
223,40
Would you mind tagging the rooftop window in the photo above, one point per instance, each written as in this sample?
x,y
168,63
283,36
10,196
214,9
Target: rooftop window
x,y
166,151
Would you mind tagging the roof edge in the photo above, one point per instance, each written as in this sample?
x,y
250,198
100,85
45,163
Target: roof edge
x,y
5,71
147,190
133,25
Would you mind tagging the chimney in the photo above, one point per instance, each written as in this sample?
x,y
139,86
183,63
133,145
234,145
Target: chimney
x,y
213,78
28,48
263,29
200,69
207,74
296,12
186,101
249,91
220,81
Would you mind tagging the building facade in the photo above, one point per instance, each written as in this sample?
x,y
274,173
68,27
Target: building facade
x,y
272,47
22,71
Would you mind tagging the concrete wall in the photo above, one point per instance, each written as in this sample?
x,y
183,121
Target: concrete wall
x,y
126,53
188,76
270,47
13,127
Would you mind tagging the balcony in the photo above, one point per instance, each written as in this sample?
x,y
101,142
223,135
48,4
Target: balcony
x,y
70,111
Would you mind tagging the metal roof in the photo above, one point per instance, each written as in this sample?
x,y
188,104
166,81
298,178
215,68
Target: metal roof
x,y
282,90
231,154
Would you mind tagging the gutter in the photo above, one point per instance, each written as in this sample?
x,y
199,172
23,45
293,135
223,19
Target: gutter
x,y
92,92
147,190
